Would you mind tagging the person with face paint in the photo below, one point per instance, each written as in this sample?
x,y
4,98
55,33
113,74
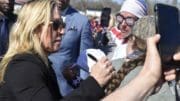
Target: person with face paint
x,y
130,12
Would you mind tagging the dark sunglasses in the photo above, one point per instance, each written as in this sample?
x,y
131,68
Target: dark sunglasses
x,y
129,20
58,23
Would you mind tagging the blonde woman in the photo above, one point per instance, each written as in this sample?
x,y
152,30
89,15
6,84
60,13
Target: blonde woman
x,y
25,73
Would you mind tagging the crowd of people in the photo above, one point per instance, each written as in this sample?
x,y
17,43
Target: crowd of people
x,y
47,37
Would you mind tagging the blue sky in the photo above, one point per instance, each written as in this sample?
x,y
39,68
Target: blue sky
x,y
119,1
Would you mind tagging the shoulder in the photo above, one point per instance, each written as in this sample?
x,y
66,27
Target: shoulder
x,y
81,18
25,68
25,64
27,57
1,15
76,14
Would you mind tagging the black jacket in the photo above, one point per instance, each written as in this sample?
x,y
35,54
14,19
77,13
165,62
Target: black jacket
x,y
27,78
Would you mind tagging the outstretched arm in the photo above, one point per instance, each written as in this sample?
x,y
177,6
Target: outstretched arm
x,y
139,87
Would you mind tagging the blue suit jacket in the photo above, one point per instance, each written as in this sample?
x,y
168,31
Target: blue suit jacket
x,y
77,38
4,33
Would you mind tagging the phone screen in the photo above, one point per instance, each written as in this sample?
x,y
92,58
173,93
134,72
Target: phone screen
x,y
167,25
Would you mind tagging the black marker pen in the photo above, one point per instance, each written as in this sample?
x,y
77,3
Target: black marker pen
x,y
92,57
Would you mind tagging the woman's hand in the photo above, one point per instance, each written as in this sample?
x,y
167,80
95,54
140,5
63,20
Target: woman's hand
x,y
153,63
102,71
171,74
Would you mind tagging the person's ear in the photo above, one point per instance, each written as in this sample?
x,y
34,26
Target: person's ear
x,y
38,31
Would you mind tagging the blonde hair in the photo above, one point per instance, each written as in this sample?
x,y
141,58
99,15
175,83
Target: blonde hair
x,y
24,34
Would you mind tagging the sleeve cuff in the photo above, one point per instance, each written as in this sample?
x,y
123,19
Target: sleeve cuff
x,y
95,89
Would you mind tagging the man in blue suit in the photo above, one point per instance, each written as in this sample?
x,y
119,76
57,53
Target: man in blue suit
x,y
77,38
7,19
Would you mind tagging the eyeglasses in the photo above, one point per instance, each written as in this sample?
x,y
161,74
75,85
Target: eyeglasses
x,y
58,23
129,20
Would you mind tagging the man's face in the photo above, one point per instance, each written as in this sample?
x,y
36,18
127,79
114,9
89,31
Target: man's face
x,y
63,4
6,6
126,21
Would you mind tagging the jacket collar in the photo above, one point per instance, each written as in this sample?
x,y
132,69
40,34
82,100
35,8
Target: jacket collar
x,y
69,11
